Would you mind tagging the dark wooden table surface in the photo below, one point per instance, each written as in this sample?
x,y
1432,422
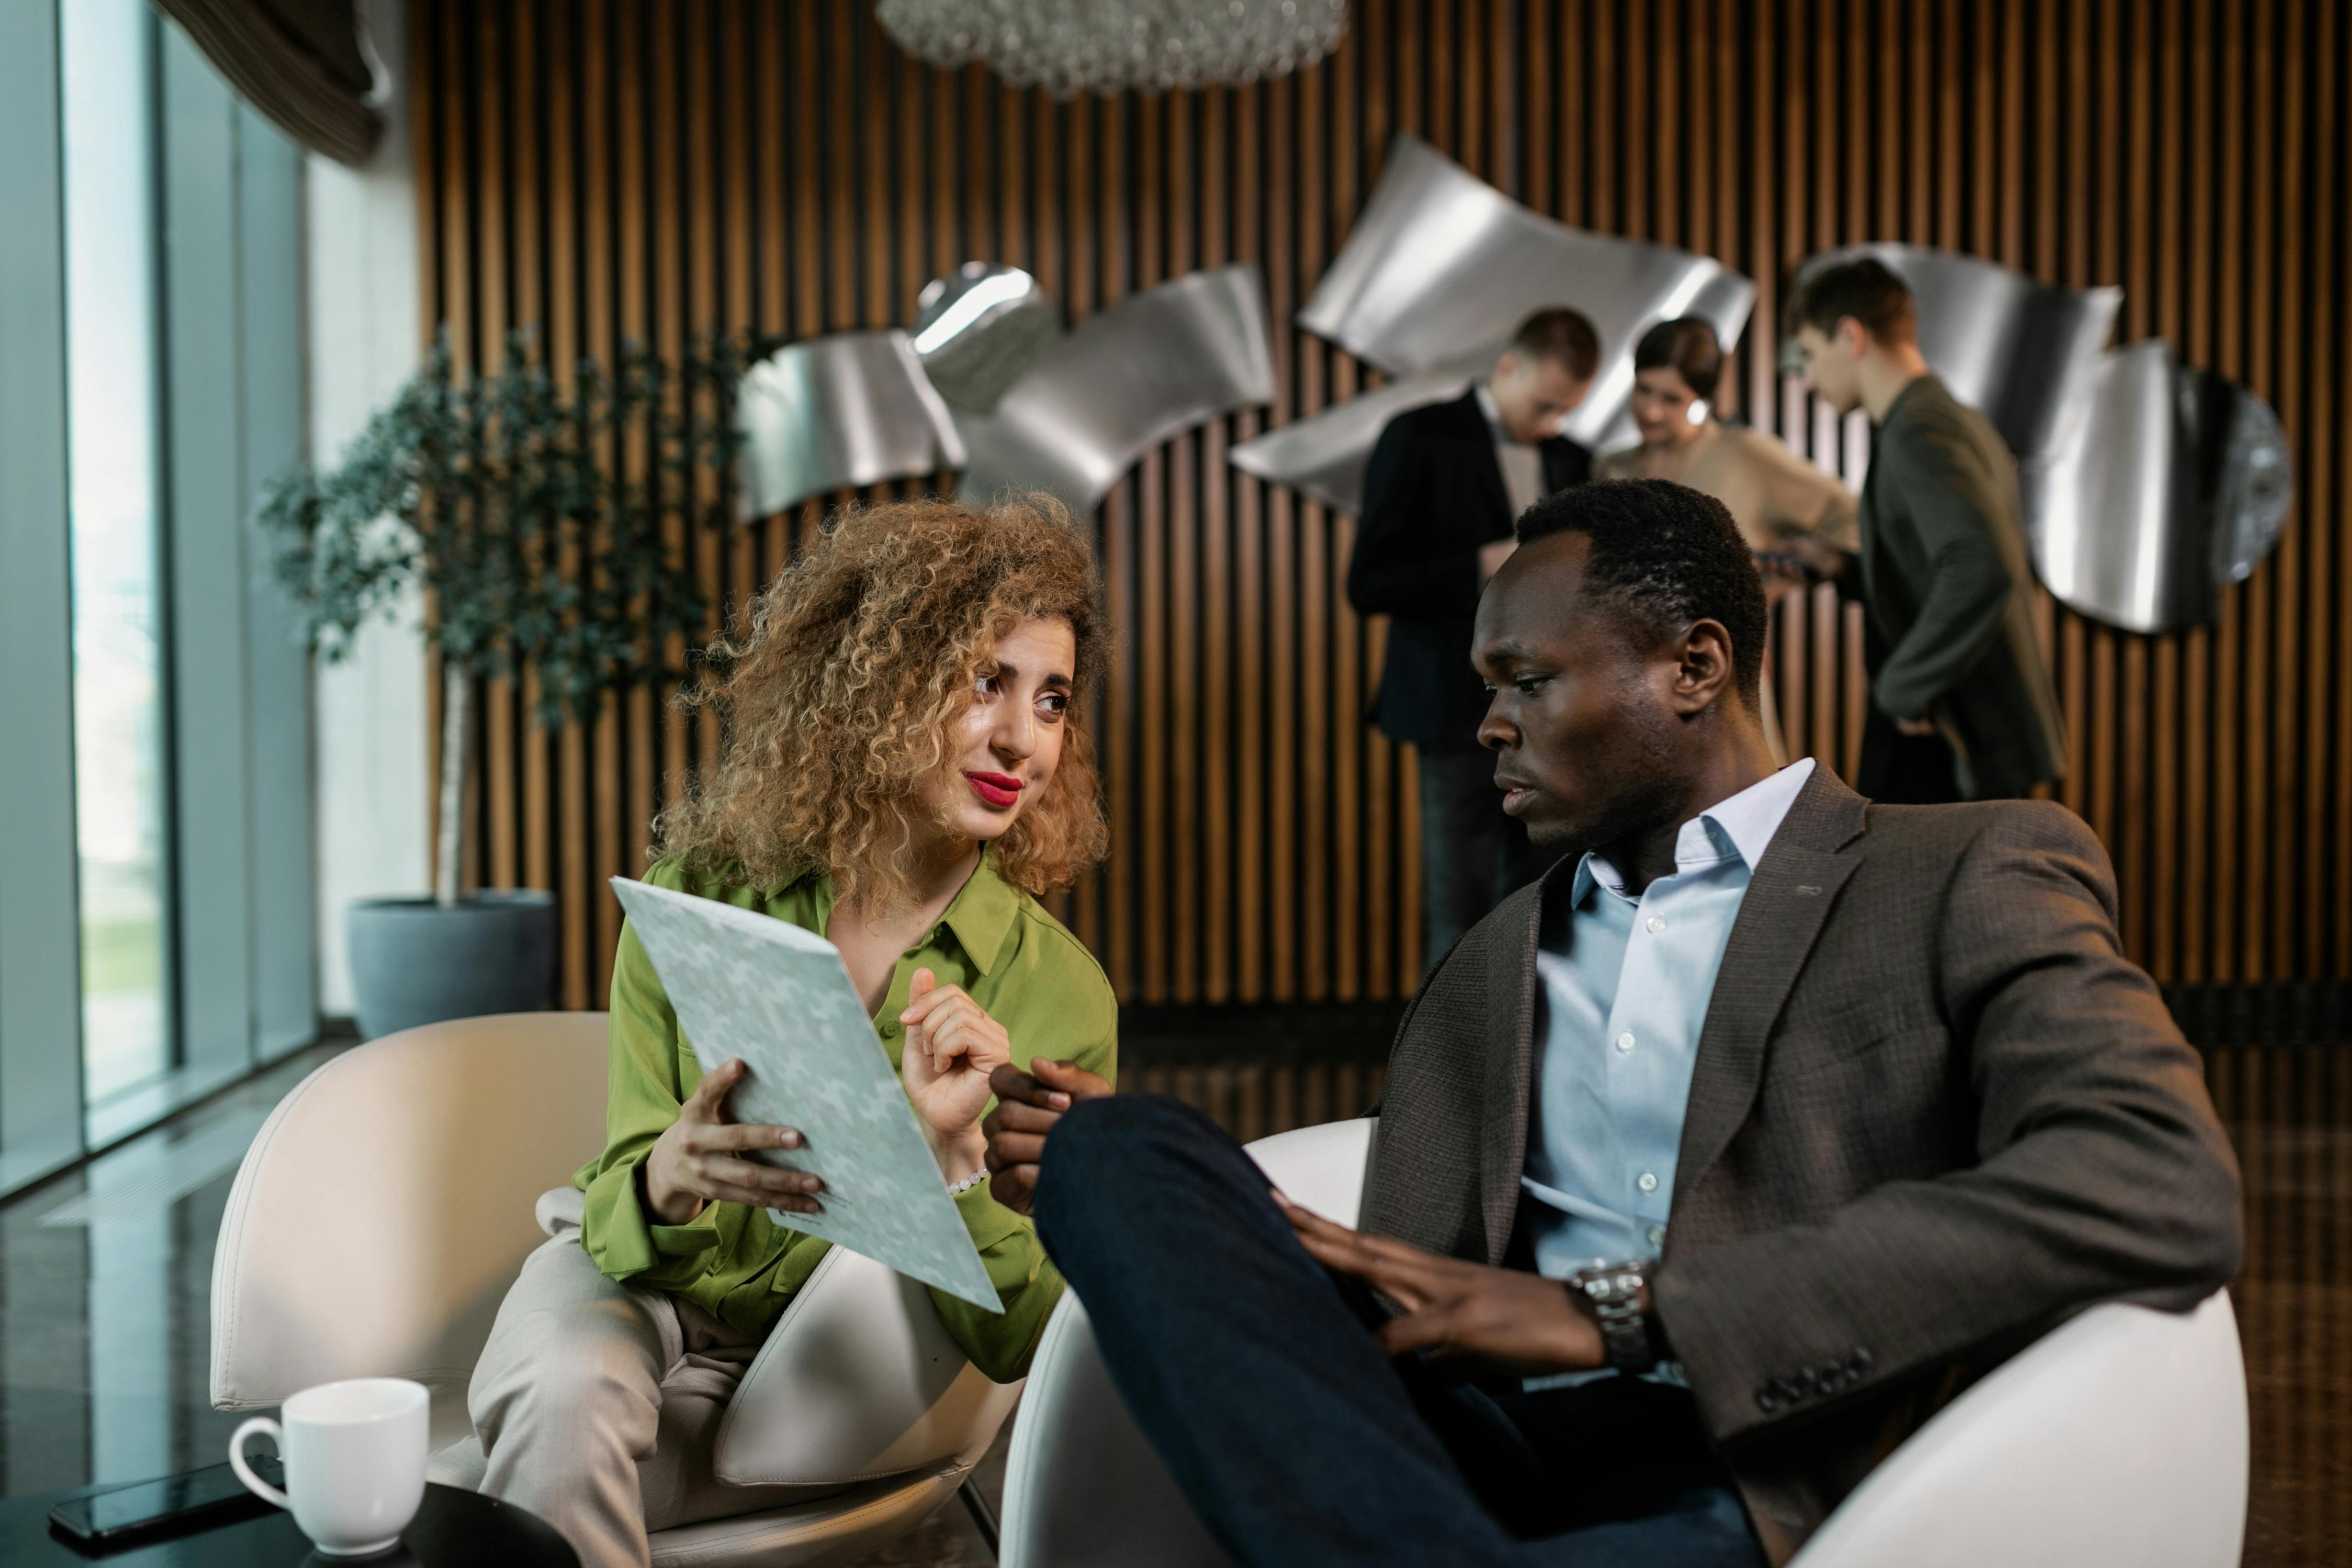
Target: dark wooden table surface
x,y
453,1529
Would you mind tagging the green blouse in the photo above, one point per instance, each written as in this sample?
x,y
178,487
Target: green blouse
x,y
1015,959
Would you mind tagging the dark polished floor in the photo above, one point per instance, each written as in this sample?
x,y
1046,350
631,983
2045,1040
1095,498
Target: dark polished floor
x,y
104,1273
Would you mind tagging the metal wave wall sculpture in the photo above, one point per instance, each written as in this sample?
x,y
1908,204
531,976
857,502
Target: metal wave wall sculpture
x,y
1439,271
989,383
1127,379
2177,483
2147,485
978,330
836,412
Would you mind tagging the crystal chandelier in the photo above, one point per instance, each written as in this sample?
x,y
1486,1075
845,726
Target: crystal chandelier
x,y
1069,47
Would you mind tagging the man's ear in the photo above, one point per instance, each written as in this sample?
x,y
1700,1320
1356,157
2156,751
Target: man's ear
x,y
1852,336
1706,669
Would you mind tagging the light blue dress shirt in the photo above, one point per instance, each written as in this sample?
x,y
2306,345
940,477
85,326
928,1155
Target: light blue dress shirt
x,y
1626,983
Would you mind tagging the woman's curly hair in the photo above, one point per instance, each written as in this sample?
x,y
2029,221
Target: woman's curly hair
x,y
840,690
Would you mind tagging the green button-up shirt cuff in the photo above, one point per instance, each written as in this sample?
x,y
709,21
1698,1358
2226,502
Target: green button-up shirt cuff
x,y
696,1236
989,1221
620,1236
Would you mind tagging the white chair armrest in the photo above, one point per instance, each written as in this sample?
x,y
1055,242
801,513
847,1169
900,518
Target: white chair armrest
x,y
1321,1168
2118,1437
859,1379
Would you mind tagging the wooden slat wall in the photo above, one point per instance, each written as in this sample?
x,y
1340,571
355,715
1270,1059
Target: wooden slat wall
x,y
611,169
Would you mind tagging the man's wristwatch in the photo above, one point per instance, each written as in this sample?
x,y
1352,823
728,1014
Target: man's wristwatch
x,y
1613,1291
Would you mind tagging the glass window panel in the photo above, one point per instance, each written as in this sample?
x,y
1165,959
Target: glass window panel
x,y
111,344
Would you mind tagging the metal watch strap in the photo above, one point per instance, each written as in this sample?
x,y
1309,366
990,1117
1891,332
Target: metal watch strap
x,y
1613,1291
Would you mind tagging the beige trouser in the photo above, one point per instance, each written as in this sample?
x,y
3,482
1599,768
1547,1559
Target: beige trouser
x,y
596,1406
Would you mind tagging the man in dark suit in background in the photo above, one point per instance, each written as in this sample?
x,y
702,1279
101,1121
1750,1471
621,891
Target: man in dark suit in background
x,y
1445,484
1962,705
1707,1167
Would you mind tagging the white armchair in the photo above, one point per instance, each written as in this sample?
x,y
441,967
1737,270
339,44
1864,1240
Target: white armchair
x,y
388,1203
2119,1437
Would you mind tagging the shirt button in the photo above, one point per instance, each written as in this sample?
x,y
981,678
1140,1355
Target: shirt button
x,y
1626,1041
1648,1183
1657,1236
1656,925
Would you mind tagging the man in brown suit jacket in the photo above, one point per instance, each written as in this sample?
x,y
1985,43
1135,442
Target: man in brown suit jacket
x,y
1930,1112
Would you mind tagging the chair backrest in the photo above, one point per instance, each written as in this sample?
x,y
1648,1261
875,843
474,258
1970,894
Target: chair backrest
x,y
386,1205
2119,1437
1083,1485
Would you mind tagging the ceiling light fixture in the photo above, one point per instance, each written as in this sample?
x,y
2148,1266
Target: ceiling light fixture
x,y
1069,47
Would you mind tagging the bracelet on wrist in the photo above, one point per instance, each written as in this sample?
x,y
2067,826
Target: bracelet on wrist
x,y
957,1189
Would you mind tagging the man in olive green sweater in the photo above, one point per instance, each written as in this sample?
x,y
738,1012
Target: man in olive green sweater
x,y
1962,705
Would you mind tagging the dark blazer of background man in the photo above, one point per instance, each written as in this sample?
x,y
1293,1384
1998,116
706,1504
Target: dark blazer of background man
x,y
1438,509
1964,705
1931,1111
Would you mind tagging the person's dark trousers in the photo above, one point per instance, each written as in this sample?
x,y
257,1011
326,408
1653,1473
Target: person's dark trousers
x,y
1910,770
1906,770
1298,1443
1473,856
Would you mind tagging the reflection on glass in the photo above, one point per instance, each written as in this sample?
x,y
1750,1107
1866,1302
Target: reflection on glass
x,y
118,661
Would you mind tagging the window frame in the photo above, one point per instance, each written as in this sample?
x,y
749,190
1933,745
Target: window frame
x,y
235,683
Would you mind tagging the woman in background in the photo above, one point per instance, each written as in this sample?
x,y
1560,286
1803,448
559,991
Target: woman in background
x,y
905,769
1798,520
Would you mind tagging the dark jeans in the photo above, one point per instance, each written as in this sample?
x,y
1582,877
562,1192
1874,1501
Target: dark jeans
x,y
1254,1374
1472,856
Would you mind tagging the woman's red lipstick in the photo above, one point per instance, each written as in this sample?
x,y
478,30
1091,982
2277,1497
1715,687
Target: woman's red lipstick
x,y
999,790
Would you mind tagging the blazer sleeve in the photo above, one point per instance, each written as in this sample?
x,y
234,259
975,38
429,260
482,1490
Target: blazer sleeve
x,y
1406,561
2102,1171
1955,501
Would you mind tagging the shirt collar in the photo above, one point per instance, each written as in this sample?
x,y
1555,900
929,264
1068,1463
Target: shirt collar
x,y
1494,413
982,913
980,916
1741,824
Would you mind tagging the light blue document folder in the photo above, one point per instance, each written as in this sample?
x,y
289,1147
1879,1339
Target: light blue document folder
x,y
747,986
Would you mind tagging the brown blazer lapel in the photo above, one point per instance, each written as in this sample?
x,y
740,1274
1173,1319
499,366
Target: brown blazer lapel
x,y
1511,1024
1787,899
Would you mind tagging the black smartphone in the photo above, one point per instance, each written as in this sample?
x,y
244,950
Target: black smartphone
x,y
198,1500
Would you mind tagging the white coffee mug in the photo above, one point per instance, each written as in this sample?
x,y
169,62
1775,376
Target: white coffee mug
x,y
354,1458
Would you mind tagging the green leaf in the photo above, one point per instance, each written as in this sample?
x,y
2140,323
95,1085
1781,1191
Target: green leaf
x,y
550,529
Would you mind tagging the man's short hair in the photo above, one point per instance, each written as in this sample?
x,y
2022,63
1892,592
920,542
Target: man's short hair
x,y
1563,336
1864,288
1664,556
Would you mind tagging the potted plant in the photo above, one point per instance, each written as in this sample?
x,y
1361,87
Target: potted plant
x,y
546,528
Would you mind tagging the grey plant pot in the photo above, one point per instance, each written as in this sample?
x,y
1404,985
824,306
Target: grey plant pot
x,y
413,962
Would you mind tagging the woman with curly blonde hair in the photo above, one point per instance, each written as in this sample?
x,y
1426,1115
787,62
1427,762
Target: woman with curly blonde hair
x,y
906,768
